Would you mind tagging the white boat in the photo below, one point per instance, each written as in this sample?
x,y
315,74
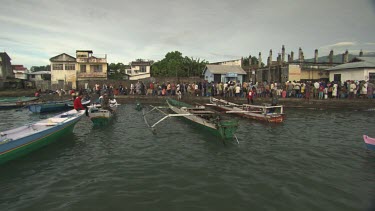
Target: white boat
x,y
100,116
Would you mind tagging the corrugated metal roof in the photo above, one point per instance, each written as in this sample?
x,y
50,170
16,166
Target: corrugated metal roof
x,y
362,62
224,69
40,73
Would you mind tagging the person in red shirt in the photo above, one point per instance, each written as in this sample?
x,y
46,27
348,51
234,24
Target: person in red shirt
x,y
78,104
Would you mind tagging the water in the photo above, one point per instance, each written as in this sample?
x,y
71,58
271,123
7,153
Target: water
x,y
316,160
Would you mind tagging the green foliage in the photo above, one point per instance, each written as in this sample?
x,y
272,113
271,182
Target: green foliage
x,y
40,68
175,65
254,61
119,66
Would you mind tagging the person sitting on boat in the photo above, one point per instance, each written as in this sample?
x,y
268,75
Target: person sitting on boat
x,y
105,103
78,104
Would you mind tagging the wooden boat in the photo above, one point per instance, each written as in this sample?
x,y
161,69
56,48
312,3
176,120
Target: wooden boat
x,y
15,102
370,142
48,107
22,140
266,113
207,120
99,116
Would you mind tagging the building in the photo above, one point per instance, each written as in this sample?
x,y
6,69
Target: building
x,y
63,71
20,72
139,70
90,67
236,62
67,71
223,73
39,80
360,68
6,71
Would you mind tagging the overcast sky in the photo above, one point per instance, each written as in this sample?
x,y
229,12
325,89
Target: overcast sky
x,y
32,31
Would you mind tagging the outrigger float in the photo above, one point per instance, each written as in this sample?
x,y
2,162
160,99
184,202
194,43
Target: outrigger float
x,y
207,120
266,113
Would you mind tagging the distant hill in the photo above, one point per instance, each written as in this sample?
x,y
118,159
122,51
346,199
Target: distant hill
x,y
338,58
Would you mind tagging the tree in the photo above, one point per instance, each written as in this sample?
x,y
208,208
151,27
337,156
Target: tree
x,y
40,68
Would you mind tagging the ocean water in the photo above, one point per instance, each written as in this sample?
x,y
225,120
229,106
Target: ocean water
x,y
315,160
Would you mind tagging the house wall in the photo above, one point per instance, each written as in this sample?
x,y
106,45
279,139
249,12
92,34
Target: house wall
x,y
357,74
68,76
294,73
208,76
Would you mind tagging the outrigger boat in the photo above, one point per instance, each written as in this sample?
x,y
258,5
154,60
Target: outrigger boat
x,y
266,113
370,142
100,116
22,140
207,120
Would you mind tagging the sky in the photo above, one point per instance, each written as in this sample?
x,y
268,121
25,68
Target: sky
x,y
33,31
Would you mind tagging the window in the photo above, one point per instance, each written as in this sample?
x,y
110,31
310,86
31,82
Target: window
x,y
129,72
96,68
57,67
83,68
142,69
70,66
32,76
371,76
337,77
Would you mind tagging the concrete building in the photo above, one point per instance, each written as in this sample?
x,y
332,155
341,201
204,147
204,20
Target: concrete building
x,y
40,80
139,70
237,62
63,71
20,72
360,68
6,72
223,73
90,67
67,71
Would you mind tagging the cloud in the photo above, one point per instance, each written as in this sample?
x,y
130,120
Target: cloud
x,y
340,45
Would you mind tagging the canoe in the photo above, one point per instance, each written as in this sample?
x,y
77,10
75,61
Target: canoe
x,y
15,102
207,120
48,107
20,141
370,142
265,113
99,116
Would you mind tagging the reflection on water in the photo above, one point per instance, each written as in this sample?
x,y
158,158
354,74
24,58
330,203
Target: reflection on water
x,y
315,160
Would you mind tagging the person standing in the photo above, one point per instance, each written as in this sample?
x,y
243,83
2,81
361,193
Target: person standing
x,y
250,96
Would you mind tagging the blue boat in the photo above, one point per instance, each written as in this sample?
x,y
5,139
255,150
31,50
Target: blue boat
x,y
48,107
22,140
15,102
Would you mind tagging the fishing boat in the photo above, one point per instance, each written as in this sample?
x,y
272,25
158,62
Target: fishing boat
x,y
99,116
48,107
370,142
15,102
199,116
22,140
265,112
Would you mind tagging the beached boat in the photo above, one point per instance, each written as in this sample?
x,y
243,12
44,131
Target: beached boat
x,y
48,107
15,102
207,120
100,116
370,142
22,140
266,113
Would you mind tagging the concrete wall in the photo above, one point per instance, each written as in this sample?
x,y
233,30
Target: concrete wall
x,y
294,73
358,74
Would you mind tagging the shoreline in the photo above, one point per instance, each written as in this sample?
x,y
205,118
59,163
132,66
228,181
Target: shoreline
x,y
297,103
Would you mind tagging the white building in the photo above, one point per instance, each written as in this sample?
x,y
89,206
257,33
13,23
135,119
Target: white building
x,y
360,68
223,73
139,70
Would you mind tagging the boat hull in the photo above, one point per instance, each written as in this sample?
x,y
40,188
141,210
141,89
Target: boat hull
x,y
23,146
370,142
223,129
100,117
43,108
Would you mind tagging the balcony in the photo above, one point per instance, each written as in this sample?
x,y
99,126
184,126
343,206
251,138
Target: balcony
x,y
92,75
92,60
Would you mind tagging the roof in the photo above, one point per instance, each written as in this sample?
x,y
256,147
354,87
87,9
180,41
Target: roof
x,y
140,64
19,67
5,55
224,69
62,57
358,62
89,51
40,73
